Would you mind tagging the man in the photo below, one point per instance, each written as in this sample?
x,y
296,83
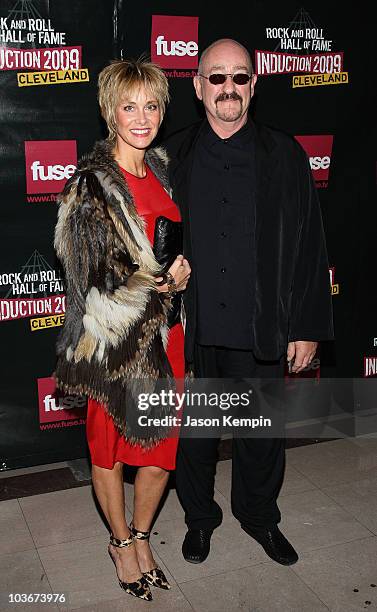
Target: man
x,y
259,292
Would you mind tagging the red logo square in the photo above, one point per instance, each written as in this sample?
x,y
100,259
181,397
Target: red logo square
x,y
318,149
49,163
55,406
174,41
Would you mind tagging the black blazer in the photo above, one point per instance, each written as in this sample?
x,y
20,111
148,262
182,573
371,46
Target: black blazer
x,y
292,284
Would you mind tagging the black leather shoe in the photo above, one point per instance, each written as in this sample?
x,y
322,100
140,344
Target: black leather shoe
x,y
275,544
196,545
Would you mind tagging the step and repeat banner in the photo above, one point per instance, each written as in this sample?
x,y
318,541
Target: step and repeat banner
x,y
315,81
50,56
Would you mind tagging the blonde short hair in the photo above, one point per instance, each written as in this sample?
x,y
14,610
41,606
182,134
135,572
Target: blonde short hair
x,y
120,78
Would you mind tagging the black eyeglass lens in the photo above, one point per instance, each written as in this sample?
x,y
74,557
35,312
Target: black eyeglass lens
x,y
218,79
240,78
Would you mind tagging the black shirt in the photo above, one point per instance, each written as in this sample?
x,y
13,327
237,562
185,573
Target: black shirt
x,y
222,212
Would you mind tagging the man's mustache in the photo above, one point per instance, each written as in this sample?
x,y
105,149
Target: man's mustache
x,y
228,96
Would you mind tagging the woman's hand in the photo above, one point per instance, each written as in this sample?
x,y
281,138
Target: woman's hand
x,y
180,271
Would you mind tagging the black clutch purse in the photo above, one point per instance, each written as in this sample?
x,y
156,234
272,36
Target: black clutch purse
x,y
167,244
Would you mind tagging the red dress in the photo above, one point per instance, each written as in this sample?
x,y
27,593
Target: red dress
x,y
106,444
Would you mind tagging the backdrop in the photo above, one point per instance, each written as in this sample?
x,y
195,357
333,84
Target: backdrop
x,y
315,78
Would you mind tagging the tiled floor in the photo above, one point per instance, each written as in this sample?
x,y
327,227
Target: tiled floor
x,y
56,543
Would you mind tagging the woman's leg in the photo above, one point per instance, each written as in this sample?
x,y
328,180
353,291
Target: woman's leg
x,y
150,483
109,489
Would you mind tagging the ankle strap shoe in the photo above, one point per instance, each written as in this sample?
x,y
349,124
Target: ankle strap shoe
x,y
155,576
139,588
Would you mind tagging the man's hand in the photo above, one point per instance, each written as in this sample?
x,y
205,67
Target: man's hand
x,y
302,353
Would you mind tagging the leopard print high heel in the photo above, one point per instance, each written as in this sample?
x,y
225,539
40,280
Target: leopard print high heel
x,y
139,588
155,576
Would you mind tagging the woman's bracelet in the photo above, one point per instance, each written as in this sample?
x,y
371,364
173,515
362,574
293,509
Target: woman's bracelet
x,y
168,279
172,287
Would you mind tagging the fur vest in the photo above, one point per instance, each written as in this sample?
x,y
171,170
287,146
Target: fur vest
x,y
112,345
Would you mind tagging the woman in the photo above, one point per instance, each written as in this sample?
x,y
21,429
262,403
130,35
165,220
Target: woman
x,y
115,329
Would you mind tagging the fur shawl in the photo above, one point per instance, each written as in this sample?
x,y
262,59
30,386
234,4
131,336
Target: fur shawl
x,y
112,345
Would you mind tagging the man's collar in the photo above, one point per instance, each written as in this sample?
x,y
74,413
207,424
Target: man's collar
x,y
241,137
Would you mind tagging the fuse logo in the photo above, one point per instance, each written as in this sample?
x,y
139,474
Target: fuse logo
x,y
313,370
49,163
174,41
177,47
51,173
319,150
319,163
55,406
67,402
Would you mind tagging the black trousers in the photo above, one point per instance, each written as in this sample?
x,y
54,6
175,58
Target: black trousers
x,y
257,465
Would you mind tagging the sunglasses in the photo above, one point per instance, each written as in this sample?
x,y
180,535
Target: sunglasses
x,y
239,78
